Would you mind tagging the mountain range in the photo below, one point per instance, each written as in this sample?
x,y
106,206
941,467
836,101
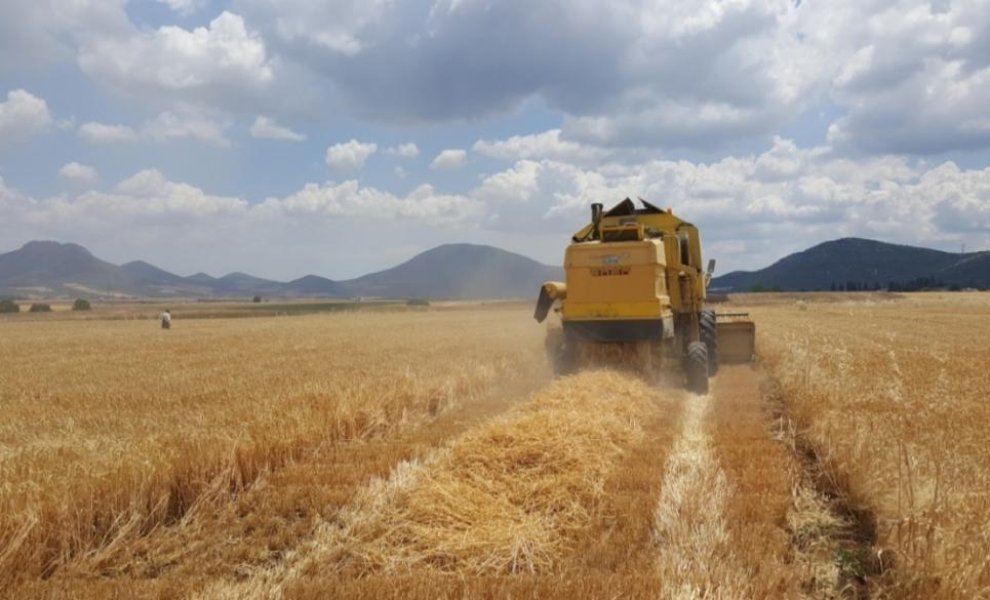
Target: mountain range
x,y
451,271
859,264
468,271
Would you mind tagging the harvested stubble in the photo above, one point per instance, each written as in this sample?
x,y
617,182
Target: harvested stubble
x,y
113,429
892,398
695,558
507,497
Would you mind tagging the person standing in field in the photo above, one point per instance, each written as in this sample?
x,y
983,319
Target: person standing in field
x,y
166,319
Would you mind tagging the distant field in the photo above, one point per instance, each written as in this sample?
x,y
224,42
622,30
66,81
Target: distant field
x,y
425,452
227,309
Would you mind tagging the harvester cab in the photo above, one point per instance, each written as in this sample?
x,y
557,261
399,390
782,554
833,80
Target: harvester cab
x,y
635,288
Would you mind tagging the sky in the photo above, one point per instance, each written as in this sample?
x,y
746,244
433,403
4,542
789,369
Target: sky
x,y
289,137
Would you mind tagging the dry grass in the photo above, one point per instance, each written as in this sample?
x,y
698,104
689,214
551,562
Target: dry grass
x,y
504,498
114,429
361,455
892,397
695,558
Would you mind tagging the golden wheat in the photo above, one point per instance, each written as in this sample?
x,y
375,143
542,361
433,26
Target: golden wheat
x,y
892,398
114,429
362,455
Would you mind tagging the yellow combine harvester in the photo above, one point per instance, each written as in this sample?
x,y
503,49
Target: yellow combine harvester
x,y
635,284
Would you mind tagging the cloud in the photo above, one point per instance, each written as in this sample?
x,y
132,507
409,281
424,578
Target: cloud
x,y
220,63
782,200
185,229
539,145
265,128
34,35
349,156
448,59
22,116
449,159
184,123
407,150
906,76
105,133
752,209
913,78
349,199
78,174
184,7
338,28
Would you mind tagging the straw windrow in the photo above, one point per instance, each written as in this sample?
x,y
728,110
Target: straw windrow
x,y
506,497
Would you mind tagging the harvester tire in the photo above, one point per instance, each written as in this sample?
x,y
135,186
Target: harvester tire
x,y
696,368
709,335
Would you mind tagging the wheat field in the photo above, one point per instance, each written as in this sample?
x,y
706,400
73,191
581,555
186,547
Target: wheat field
x,y
431,454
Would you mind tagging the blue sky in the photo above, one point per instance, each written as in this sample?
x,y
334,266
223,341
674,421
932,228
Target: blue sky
x,y
291,137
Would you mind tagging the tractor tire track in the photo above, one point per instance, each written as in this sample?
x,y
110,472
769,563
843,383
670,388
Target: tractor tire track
x,y
695,558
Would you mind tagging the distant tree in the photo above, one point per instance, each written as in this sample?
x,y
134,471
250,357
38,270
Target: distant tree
x,y
256,299
955,287
40,307
81,304
758,287
9,306
833,286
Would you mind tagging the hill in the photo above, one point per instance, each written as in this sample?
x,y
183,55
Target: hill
x,y
61,269
455,271
864,264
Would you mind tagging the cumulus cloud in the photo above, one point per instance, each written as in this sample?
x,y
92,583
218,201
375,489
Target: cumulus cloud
x,y
449,59
539,145
266,128
913,77
906,76
349,199
178,226
338,28
184,123
349,156
451,158
215,63
184,7
22,116
407,150
103,132
78,174
772,203
752,209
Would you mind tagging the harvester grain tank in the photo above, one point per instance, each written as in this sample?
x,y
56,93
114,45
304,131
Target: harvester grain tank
x,y
635,283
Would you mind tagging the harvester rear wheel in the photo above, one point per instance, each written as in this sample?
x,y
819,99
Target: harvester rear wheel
x,y
709,335
696,368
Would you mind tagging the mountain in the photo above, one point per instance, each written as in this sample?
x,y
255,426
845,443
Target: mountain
x,y
314,285
469,271
152,281
456,271
60,269
863,263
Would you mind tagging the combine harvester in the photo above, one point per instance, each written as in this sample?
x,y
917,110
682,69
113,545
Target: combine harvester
x,y
636,289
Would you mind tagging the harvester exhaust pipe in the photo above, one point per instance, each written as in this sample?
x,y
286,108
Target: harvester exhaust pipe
x,y
596,220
